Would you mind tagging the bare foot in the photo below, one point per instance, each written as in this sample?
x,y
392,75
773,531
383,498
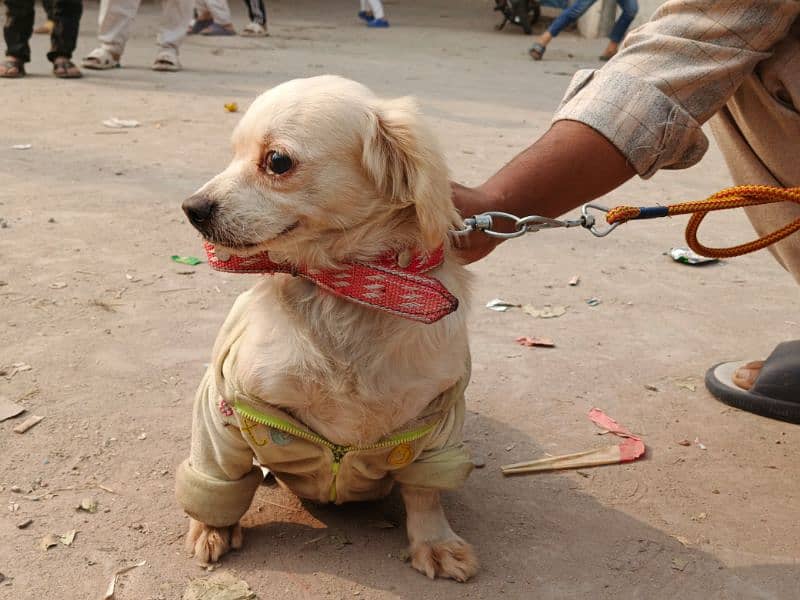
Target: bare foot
x,y
435,550
746,375
207,544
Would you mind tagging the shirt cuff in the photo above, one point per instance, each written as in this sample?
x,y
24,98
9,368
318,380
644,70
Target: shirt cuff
x,y
214,501
649,128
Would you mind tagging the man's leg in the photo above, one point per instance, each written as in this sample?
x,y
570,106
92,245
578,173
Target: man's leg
x,y
257,11
176,16
376,6
114,21
220,12
566,18
629,10
759,135
18,29
49,9
65,33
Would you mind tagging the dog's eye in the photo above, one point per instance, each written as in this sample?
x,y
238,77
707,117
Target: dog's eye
x,y
278,163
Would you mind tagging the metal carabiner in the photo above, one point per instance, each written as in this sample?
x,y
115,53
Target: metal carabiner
x,y
590,223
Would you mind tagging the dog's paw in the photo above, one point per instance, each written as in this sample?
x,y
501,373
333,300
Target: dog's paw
x,y
452,558
207,544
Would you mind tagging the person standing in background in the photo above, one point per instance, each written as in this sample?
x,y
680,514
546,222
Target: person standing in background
x,y
18,30
570,15
372,12
258,19
115,20
213,18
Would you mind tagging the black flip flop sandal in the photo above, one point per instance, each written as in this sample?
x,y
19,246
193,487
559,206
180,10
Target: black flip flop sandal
x,y
776,391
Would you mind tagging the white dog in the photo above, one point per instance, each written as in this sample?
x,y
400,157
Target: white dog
x,y
338,399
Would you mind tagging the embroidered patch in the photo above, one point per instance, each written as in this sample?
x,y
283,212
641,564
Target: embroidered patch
x,y
279,437
248,426
400,455
225,408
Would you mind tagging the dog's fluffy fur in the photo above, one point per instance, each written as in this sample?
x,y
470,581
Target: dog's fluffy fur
x,y
367,178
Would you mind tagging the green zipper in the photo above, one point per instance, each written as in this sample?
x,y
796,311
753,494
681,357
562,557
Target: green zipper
x,y
337,450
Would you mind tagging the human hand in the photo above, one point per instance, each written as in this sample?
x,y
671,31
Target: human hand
x,y
469,202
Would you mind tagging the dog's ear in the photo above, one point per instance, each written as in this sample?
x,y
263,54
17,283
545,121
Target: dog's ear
x,y
404,162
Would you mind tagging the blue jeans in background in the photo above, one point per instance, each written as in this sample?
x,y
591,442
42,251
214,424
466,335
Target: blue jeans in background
x,y
577,8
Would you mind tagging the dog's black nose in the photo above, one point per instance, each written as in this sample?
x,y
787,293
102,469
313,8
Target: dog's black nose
x,y
200,209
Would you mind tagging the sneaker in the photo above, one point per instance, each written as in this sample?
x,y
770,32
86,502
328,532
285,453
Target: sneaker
x,y
378,23
254,30
365,16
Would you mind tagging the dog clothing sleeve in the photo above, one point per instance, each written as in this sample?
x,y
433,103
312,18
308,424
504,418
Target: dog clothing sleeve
x,y
217,483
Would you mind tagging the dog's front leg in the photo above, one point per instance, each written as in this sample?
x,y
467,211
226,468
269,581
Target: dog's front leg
x,y
207,544
436,550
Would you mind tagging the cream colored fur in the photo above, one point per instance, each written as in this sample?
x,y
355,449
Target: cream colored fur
x,y
368,179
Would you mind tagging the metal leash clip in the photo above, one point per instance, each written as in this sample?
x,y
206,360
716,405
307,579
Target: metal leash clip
x,y
485,222
590,222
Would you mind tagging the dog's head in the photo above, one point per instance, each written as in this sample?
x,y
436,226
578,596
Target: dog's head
x,y
324,171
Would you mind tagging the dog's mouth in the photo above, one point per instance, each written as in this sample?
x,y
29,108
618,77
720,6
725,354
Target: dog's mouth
x,y
239,247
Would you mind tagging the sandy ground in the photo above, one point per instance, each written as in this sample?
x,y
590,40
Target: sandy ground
x,y
117,352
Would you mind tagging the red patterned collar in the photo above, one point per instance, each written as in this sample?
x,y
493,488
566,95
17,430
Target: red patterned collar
x,y
384,284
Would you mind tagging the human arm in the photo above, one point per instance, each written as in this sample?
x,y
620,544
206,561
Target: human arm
x,y
568,166
647,105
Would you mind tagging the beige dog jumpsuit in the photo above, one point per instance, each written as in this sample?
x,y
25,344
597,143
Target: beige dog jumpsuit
x,y
231,427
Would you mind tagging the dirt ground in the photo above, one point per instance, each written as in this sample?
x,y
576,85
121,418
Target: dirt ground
x,y
117,336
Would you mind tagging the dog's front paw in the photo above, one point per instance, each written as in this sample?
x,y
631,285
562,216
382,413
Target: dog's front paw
x,y
452,558
207,544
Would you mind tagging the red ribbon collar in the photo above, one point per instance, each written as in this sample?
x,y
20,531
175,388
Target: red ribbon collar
x,y
404,291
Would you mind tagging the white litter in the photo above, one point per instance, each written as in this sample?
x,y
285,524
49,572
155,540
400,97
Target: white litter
x,y
113,583
115,123
500,305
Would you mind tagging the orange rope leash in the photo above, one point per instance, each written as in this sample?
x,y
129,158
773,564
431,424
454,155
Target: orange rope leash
x,y
734,197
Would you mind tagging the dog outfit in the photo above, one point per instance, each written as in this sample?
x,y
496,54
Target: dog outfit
x,y
231,427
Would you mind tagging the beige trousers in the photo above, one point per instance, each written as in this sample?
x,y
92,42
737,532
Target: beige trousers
x,y
116,17
759,134
218,9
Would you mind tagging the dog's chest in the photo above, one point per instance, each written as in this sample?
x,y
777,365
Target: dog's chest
x,y
347,401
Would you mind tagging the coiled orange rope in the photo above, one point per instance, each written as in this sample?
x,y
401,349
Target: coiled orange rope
x,y
734,197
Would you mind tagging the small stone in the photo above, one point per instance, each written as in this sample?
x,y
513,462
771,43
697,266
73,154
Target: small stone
x,y
88,505
650,387
24,524
16,489
142,436
51,220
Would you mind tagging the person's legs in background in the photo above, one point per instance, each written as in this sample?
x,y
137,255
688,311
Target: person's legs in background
x,y
220,14
176,16
372,12
49,11
67,19
202,18
17,32
114,27
630,8
258,18
567,17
